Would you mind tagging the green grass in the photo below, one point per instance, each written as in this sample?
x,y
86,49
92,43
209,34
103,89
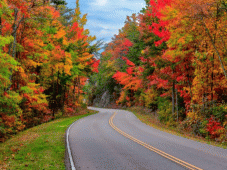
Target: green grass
x,y
41,147
151,120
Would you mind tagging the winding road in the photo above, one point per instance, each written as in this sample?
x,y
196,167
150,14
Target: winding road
x,y
117,140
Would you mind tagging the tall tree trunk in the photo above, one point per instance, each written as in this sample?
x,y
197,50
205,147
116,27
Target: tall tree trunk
x,y
1,33
0,25
212,80
53,99
58,83
78,89
77,83
63,104
212,75
14,33
190,91
177,105
74,86
207,80
173,98
13,45
67,92
203,107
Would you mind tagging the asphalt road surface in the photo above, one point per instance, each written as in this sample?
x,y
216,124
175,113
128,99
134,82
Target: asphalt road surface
x,y
117,140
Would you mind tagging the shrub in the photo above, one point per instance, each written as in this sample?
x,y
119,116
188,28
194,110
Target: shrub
x,y
195,124
214,128
220,112
202,129
150,98
164,109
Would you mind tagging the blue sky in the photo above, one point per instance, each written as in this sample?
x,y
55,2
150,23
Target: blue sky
x,y
106,17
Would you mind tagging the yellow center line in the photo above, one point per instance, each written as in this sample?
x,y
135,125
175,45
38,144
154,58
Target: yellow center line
x,y
168,156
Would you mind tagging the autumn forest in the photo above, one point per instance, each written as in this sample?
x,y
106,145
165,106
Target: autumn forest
x,y
170,58
46,55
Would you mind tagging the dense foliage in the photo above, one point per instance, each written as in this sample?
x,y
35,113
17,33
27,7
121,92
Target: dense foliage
x,y
45,57
172,59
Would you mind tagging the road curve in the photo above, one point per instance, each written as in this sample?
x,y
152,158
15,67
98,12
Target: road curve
x,y
117,140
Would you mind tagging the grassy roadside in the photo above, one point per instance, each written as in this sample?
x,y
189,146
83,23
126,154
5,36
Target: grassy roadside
x,y
150,120
41,147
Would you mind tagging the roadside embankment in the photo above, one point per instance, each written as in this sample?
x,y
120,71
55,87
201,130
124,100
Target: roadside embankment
x,y
151,119
41,147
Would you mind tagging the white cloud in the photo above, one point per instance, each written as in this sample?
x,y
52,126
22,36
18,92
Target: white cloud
x,y
106,17
100,2
105,33
107,26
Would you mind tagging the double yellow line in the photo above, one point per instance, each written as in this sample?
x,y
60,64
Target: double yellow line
x,y
170,157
